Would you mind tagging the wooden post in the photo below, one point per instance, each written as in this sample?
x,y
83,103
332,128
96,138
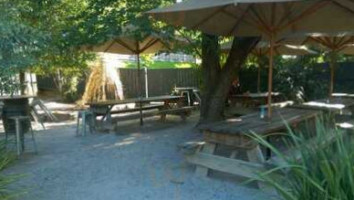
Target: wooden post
x,y
332,64
208,148
255,155
18,136
270,76
259,78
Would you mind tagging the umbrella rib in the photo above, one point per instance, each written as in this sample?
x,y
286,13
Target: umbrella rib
x,y
342,48
342,41
347,40
324,41
152,42
307,39
126,46
207,18
287,7
238,20
312,9
272,22
329,42
261,22
109,46
343,7
252,23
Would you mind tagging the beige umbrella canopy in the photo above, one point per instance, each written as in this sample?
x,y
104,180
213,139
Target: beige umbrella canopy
x,y
280,48
259,17
339,44
130,45
268,18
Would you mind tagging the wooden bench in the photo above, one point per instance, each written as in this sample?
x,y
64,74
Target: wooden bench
x,y
183,112
279,104
135,109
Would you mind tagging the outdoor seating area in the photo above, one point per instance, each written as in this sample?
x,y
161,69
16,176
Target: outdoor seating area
x,y
186,99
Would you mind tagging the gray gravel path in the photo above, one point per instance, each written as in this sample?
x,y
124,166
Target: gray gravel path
x,y
136,163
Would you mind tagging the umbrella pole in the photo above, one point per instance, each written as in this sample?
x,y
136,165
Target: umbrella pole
x,y
259,77
139,90
332,66
270,76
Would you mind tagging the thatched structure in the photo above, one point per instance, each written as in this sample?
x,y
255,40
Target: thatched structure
x,y
101,85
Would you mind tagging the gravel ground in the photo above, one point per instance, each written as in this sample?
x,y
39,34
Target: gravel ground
x,y
135,163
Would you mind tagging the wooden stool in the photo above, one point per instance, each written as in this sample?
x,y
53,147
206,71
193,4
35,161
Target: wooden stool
x,y
88,116
20,143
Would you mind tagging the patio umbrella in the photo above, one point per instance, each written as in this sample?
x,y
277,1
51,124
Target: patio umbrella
x,y
126,44
341,44
271,19
280,48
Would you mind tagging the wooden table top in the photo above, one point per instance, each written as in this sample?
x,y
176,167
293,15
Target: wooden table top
x,y
135,100
332,104
343,95
255,95
16,97
253,123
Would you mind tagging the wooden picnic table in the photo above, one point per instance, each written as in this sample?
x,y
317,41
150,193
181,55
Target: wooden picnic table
x,y
253,99
337,105
104,108
234,133
343,95
165,99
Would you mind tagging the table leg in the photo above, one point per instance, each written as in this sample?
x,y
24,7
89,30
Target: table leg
x,y
255,155
18,137
108,113
83,118
78,123
208,148
166,106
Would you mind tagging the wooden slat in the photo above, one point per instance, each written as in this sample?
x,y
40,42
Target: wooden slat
x,y
223,164
253,123
136,100
146,107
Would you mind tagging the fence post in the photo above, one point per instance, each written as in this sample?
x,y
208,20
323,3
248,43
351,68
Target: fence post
x,y
146,82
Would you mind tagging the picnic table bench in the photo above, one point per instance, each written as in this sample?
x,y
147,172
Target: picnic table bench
x,y
159,105
254,99
234,133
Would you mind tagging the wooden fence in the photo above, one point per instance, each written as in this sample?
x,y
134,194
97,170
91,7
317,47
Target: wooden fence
x,y
160,81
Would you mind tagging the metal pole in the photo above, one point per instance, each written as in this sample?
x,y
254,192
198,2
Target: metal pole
x,y
146,82
139,90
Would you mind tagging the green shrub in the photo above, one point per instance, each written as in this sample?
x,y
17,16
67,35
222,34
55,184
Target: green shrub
x,y
6,158
322,172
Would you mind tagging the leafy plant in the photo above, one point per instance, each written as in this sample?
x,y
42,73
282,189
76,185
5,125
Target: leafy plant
x,y
323,170
6,158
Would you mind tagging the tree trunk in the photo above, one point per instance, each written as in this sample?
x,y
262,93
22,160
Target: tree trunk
x,y
217,79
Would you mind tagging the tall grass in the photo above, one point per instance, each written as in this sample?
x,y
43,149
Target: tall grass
x,y
321,171
6,158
